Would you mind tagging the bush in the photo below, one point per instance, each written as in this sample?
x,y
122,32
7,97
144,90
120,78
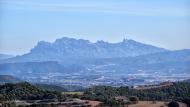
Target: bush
x,y
134,99
173,104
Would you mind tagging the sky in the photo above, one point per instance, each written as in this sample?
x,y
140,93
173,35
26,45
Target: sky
x,y
162,23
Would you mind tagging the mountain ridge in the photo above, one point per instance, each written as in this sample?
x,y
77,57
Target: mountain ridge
x,y
70,48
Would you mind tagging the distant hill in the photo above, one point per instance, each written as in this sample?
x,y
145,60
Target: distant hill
x,y
11,79
167,63
8,79
188,80
5,56
164,62
34,68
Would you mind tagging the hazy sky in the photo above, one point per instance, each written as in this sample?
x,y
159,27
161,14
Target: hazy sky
x,y
163,23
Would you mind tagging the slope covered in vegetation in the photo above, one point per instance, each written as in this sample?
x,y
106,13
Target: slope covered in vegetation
x,y
25,91
178,92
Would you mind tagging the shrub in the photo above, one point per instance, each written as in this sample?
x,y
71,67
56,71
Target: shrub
x,y
134,99
173,104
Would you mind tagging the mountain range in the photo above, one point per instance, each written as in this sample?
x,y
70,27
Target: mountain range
x,y
69,48
69,59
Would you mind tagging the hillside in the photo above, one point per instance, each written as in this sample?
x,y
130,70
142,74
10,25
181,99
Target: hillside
x,y
164,62
178,92
8,79
25,91
50,87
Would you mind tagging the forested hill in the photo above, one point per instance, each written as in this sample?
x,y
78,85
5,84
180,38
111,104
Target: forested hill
x,y
25,91
50,87
178,92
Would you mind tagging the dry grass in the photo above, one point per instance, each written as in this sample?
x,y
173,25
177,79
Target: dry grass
x,y
150,104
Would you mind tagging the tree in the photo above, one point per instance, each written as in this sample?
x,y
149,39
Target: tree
x,y
134,99
173,104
